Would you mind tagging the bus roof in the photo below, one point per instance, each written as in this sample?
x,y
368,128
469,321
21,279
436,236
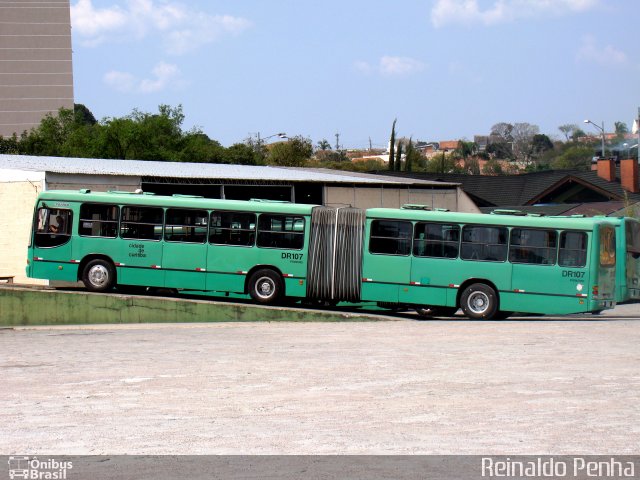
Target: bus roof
x,y
586,223
180,201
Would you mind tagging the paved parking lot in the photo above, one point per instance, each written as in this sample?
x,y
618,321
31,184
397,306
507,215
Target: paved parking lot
x,y
539,386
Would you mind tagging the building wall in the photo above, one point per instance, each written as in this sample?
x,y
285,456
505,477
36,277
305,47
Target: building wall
x,y
97,183
453,198
35,62
18,192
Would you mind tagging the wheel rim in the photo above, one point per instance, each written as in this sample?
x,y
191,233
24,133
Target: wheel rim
x,y
478,302
265,287
98,275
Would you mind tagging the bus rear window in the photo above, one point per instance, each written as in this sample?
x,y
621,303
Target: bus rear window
x,y
573,249
390,237
53,227
533,246
141,223
607,247
98,220
484,243
280,231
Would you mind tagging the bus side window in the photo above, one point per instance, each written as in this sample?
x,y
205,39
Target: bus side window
x,y
141,223
573,249
484,243
390,237
533,246
233,228
436,240
185,225
280,231
97,220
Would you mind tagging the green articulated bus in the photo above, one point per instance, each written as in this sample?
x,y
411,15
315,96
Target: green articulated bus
x,y
488,265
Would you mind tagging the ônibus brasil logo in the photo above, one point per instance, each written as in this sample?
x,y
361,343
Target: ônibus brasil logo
x,y
33,468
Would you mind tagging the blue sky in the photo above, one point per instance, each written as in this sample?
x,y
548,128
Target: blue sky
x,y
446,69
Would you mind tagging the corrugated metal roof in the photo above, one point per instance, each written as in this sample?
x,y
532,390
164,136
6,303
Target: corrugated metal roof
x,y
96,166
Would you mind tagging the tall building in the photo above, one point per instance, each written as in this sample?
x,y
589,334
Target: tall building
x,y
36,72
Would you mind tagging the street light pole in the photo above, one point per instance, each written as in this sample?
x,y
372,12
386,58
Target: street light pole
x,y
601,128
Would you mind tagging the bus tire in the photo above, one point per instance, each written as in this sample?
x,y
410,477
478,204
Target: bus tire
x,y
479,301
265,286
98,275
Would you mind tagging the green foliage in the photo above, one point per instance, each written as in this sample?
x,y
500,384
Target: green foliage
x,y
574,157
9,146
324,145
412,157
492,167
392,145
442,163
241,154
398,163
293,153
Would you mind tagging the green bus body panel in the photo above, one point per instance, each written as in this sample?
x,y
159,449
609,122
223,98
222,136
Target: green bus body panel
x,y
193,267
550,289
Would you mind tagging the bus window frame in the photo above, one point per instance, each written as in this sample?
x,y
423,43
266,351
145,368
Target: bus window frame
x,y
473,225
415,240
586,249
69,226
555,249
254,230
165,225
294,216
117,222
141,223
410,237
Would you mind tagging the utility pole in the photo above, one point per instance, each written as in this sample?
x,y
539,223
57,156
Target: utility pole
x,y
370,146
337,141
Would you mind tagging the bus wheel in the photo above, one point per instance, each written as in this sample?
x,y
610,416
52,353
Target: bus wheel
x,y
98,275
265,286
479,301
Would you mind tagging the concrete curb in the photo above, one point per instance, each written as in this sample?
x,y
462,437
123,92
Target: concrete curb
x,y
27,306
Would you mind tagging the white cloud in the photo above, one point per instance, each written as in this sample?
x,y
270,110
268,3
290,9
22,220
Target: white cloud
x,y
180,28
607,55
164,75
390,66
400,65
469,12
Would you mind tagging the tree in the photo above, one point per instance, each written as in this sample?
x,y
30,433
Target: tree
x,y
398,164
392,145
523,134
492,167
567,130
242,154
503,131
83,115
540,144
442,163
621,130
574,157
412,157
324,145
293,153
